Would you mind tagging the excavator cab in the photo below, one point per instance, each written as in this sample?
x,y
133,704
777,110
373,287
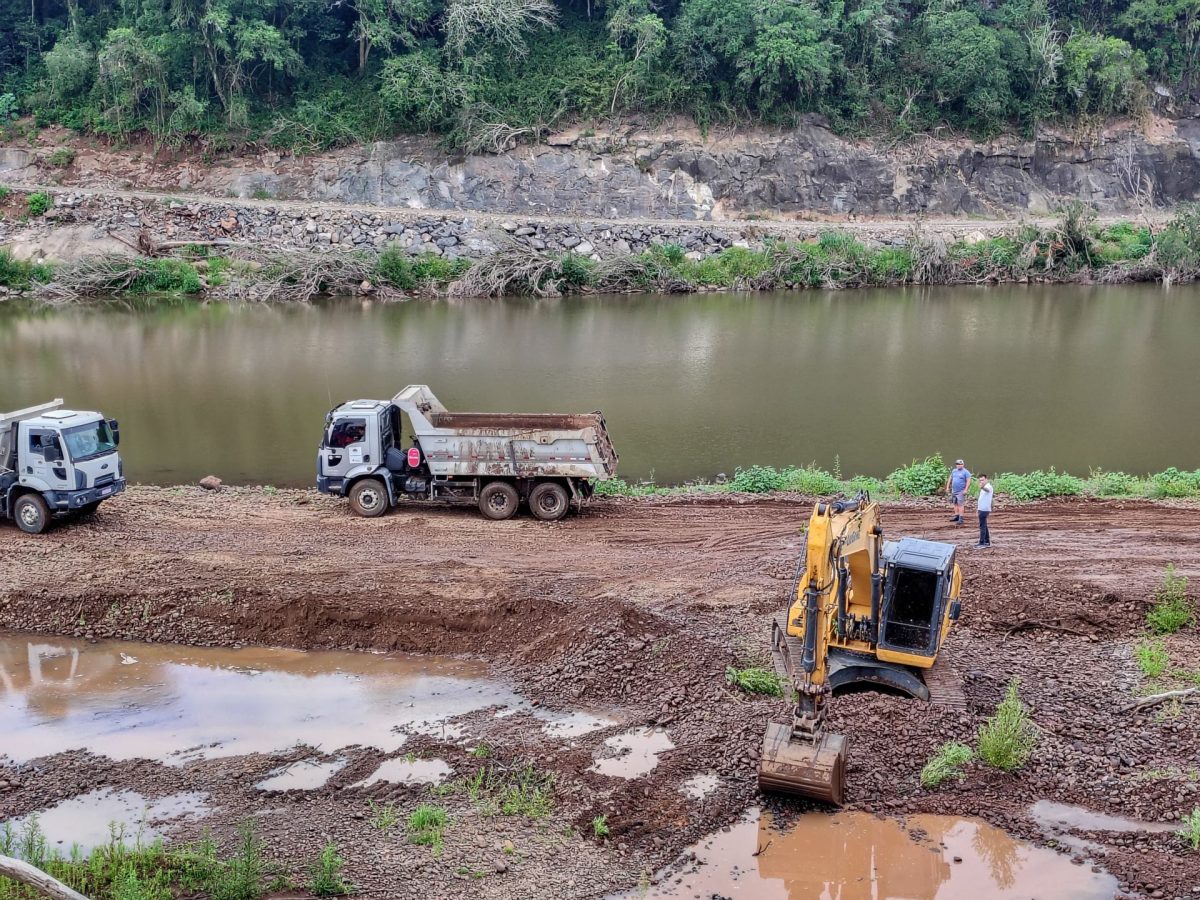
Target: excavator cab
x,y
863,612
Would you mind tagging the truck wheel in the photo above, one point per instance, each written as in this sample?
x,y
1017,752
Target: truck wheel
x,y
549,501
31,513
499,500
369,498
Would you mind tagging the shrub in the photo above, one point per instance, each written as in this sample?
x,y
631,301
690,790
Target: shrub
x,y
38,203
809,480
921,479
9,107
1172,608
20,273
166,275
1113,484
326,874
755,680
1174,483
757,480
1190,832
62,157
1006,740
1038,485
947,763
1152,658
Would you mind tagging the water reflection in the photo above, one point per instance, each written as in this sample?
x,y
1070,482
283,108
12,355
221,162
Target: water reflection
x,y
173,703
857,856
690,386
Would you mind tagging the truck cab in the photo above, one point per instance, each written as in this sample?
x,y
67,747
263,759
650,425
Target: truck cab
x,y
55,461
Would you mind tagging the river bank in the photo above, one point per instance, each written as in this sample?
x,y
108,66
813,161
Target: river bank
x,y
634,609
65,246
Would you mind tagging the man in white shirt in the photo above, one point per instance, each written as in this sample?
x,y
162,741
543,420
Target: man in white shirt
x,y
985,509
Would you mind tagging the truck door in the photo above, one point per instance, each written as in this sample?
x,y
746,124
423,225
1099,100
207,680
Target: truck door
x,y
346,446
45,461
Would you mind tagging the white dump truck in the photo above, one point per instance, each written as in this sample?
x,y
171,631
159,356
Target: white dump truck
x,y
55,461
493,460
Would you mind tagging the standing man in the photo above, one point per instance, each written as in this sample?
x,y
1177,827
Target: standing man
x,y
985,508
958,484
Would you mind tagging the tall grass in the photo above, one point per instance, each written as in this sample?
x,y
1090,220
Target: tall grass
x,y
947,763
1172,608
1007,739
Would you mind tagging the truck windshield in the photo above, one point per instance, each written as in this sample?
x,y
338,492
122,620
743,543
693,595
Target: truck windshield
x,y
345,432
87,441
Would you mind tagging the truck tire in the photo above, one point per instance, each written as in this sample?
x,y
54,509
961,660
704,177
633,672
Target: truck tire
x,y
369,498
549,501
499,500
31,513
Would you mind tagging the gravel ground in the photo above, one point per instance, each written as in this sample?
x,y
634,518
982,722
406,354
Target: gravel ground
x,y
633,608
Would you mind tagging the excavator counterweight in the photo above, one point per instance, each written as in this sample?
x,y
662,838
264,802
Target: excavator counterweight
x,y
861,612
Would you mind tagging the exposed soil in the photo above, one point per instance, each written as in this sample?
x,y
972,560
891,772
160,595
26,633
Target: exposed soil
x,y
633,608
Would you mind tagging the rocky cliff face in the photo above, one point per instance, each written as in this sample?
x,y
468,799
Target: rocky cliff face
x,y
631,173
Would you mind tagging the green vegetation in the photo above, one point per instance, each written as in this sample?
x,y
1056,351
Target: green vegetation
x,y
409,273
1039,485
120,871
1006,740
427,825
61,157
600,826
309,74
498,790
383,815
755,680
38,203
920,479
1190,832
1172,609
20,274
947,763
325,875
1152,658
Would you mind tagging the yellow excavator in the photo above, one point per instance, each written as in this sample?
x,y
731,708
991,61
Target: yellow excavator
x,y
862,612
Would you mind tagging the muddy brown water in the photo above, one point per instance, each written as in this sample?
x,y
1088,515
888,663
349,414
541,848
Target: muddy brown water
x,y
858,856
177,704
1011,378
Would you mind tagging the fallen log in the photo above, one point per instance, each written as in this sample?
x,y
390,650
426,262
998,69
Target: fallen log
x,y
35,878
1155,699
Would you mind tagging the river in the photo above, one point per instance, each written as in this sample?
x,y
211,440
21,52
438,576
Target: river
x,y
1010,378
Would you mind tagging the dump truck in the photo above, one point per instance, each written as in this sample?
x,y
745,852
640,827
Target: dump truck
x,y
496,461
56,461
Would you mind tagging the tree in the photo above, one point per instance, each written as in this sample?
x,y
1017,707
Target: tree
x,y
503,24
1102,76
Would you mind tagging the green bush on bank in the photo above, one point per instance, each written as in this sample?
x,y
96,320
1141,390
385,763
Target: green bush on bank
x,y
920,478
1038,485
21,274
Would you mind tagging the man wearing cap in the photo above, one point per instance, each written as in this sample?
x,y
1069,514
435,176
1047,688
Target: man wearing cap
x,y
958,484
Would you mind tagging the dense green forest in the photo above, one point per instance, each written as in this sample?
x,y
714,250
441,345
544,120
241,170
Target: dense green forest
x,y
310,74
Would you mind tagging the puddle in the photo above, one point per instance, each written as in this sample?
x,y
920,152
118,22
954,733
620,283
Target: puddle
x,y
409,771
572,724
305,775
856,856
1057,820
632,754
699,786
176,704
85,820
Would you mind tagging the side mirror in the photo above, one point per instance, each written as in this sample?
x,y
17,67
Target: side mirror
x,y
115,428
955,610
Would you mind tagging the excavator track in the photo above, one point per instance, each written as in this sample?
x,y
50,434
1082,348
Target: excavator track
x,y
945,685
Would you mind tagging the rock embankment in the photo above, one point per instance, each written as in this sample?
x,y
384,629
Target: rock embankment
x,y
84,223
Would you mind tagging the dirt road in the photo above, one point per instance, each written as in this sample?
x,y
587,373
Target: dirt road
x,y
638,606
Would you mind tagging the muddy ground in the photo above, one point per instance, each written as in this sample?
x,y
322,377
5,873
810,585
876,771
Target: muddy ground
x,y
634,608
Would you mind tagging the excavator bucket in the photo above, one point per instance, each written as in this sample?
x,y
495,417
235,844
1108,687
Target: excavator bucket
x,y
813,770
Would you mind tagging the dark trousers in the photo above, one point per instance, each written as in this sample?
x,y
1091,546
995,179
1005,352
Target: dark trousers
x,y
985,536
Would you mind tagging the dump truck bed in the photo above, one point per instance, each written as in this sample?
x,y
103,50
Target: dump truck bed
x,y
519,445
